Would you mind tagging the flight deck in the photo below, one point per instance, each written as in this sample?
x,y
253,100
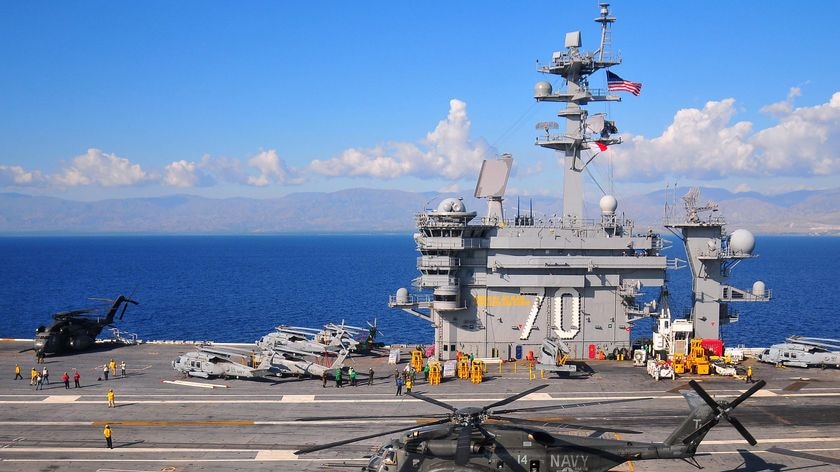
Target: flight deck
x,y
254,424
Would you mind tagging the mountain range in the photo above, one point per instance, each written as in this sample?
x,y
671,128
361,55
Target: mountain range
x,y
378,211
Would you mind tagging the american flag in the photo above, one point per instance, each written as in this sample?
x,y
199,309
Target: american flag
x,y
616,83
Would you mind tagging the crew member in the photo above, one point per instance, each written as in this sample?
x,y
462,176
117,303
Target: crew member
x,y
749,375
370,376
76,378
107,433
111,402
17,372
338,378
122,368
66,379
105,371
400,382
352,377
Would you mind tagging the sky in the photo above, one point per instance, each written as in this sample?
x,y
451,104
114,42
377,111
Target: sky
x,y
103,99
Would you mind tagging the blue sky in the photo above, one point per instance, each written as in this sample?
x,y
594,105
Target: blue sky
x,y
261,99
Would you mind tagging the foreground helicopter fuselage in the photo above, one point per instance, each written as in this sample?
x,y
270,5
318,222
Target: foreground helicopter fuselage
x,y
466,440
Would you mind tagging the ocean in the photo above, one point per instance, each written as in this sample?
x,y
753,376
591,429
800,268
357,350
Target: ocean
x,y
237,288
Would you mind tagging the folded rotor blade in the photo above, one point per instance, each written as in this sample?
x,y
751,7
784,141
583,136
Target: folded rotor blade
x,y
562,424
462,451
336,418
431,400
487,434
513,398
568,405
307,450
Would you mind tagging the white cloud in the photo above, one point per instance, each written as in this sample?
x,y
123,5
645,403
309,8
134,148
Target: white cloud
x,y
705,144
98,168
181,174
17,176
446,151
272,169
782,108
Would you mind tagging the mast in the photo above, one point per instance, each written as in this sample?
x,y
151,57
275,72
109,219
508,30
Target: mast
x,y
576,66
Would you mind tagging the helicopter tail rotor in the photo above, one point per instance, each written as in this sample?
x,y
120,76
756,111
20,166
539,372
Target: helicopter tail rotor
x,y
721,410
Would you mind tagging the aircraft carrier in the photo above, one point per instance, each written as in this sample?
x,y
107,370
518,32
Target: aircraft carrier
x,y
250,425
502,284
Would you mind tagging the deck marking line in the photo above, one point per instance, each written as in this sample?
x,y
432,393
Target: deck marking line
x,y
298,399
61,398
276,455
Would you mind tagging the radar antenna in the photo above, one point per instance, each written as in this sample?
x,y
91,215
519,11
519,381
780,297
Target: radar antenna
x,y
606,40
692,209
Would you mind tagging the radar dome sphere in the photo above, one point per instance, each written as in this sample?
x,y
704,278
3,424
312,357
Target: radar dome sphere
x,y
451,205
759,289
608,205
402,295
542,89
741,241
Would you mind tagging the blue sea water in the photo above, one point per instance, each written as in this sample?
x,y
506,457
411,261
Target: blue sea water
x,y
237,288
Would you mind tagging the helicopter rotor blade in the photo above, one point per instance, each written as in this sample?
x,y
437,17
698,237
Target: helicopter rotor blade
x,y
432,401
125,307
487,434
562,424
722,411
339,418
513,398
568,405
741,429
701,431
462,450
320,447
758,386
705,396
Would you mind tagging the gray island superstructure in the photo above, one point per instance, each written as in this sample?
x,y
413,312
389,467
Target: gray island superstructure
x,y
502,286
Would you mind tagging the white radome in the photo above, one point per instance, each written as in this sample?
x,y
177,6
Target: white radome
x,y
741,242
608,205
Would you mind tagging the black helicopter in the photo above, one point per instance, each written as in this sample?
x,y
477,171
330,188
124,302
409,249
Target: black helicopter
x,y
76,330
463,442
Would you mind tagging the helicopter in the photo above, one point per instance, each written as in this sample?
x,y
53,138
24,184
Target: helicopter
x,y
800,351
463,440
370,343
291,362
224,361
294,337
77,330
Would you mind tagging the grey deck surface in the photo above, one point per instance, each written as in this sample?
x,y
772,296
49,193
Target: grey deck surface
x,y
250,425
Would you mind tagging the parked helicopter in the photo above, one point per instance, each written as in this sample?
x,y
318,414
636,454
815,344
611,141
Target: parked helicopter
x,y
296,338
290,362
77,329
224,361
462,441
800,351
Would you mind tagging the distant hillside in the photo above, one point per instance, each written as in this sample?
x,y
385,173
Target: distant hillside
x,y
368,210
